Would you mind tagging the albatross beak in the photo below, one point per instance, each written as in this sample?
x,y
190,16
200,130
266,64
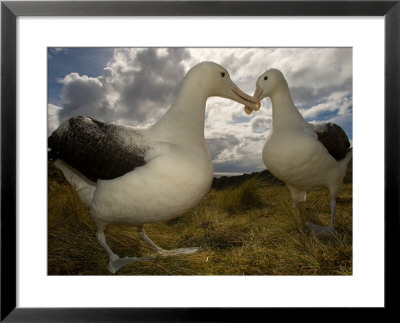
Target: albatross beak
x,y
241,97
257,96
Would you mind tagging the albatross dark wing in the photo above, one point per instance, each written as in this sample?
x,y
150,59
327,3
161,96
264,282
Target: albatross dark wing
x,y
96,149
334,139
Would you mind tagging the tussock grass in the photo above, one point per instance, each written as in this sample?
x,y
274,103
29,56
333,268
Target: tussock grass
x,y
247,230
248,195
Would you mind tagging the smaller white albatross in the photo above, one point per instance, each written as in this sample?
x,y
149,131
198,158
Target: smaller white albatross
x,y
305,156
131,176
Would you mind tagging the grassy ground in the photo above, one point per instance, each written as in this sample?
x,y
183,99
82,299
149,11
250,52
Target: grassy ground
x,y
247,230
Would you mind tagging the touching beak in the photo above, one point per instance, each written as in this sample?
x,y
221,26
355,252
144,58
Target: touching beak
x,y
257,96
243,98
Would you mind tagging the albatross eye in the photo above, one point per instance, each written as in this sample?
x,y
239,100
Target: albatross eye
x,y
222,74
265,77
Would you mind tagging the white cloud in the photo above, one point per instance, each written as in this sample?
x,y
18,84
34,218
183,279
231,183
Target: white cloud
x,y
136,87
336,102
261,123
52,118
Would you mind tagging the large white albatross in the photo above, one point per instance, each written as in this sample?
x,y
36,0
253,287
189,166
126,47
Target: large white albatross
x,y
305,156
133,176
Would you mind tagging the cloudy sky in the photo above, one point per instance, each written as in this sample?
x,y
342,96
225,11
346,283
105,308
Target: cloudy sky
x,y
135,86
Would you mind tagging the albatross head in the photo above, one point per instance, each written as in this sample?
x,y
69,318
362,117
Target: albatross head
x,y
215,81
267,84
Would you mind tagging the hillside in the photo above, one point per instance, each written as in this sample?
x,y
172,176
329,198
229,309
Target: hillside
x,y
264,176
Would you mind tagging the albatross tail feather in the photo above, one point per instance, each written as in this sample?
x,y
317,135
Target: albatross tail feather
x,y
84,187
344,162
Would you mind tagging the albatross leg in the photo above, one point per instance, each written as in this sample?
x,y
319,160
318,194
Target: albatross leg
x,y
297,195
113,257
325,230
145,238
116,263
102,239
333,210
163,252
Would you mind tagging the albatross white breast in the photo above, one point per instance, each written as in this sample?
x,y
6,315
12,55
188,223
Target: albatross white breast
x,y
134,176
305,156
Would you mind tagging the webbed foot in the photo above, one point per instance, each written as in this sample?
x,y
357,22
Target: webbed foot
x,y
320,230
180,251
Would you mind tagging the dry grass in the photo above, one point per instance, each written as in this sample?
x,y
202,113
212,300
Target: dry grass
x,y
248,230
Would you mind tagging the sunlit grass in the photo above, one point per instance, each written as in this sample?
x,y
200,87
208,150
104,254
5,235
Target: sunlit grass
x,y
248,230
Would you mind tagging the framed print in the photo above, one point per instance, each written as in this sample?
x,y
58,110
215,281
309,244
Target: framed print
x,y
365,35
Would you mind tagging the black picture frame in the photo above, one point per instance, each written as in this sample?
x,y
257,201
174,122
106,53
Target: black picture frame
x,y
10,10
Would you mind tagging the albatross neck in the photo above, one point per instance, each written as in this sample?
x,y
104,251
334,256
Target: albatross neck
x,y
184,121
284,112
